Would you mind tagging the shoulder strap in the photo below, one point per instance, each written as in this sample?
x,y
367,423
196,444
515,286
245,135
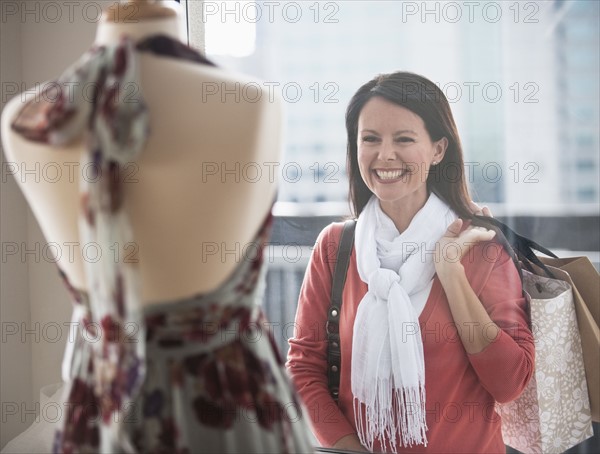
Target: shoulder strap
x,y
520,248
334,358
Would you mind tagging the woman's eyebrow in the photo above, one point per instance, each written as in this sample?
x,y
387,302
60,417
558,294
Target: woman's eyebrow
x,y
402,131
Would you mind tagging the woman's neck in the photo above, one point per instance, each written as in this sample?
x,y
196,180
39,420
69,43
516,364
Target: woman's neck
x,y
402,211
111,32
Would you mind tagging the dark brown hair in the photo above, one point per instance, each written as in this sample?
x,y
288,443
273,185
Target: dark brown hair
x,y
424,98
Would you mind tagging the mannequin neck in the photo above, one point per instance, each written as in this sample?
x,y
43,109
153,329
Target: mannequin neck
x,y
111,32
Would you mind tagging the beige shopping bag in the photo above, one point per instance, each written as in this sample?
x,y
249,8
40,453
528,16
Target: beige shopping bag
x,y
584,278
553,412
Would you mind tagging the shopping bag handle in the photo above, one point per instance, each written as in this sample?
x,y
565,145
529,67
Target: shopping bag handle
x,y
519,248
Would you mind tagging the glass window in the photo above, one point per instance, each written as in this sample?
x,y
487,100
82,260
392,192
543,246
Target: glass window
x,y
521,79
502,78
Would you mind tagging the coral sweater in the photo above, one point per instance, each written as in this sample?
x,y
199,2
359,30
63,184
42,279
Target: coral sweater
x,y
461,388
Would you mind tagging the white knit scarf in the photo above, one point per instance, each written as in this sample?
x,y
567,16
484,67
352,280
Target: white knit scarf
x,y
388,370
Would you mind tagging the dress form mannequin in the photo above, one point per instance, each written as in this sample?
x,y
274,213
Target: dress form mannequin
x,y
178,209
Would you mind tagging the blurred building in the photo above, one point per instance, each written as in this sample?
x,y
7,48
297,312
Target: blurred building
x,y
578,100
522,80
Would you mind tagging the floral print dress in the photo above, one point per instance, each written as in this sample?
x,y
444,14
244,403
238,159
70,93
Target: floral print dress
x,y
200,374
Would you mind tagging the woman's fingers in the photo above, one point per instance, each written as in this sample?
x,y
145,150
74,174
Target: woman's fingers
x,y
479,211
475,209
486,212
469,236
454,229
472,234
476,234
455,244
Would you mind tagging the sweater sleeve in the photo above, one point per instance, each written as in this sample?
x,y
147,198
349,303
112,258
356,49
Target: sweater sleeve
x,y
307,357
505,366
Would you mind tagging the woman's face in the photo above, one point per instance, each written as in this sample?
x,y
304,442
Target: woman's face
x,y
395,153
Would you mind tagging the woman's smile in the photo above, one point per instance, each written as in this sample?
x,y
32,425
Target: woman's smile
x,y
387,176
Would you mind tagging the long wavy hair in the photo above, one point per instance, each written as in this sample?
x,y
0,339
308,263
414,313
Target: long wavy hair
x,y
424,98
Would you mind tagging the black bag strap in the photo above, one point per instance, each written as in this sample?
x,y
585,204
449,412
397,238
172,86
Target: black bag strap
x,y
518,247
334,357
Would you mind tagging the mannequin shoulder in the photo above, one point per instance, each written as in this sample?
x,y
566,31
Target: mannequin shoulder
x,y
11,109
209,84
12,141
19,100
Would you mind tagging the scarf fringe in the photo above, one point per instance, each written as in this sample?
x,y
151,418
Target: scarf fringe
x,y
387,416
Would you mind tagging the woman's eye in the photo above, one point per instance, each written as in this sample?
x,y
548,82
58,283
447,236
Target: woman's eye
x,y
405,139
370,139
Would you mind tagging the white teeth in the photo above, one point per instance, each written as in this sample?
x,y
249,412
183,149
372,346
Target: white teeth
x,y
389,174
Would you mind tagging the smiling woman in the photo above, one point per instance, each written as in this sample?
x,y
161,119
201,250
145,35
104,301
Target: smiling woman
x,y
417,115
429,341
387,130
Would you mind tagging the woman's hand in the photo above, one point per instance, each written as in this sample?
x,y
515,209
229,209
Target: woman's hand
x,y
479,211
350,443
454,245
465,306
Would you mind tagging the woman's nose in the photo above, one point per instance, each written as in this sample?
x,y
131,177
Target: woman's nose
x,y
387,151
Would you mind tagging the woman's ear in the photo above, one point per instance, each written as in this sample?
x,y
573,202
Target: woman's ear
x,y
440,149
